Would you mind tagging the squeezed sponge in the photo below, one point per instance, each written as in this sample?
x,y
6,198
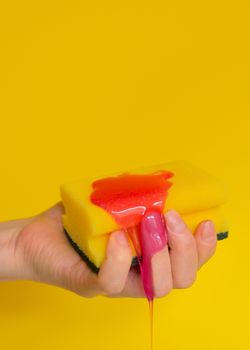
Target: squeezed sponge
x,y
194,193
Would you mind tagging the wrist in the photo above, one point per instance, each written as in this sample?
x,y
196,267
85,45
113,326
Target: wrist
x,y
11,260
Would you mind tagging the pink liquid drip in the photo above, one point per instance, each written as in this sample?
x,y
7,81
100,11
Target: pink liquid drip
x,y
153,238
136,202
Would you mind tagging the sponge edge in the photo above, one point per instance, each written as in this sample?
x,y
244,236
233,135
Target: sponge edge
x,y
84,257
134,262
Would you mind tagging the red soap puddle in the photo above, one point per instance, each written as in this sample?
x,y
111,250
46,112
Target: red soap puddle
x,y
128,197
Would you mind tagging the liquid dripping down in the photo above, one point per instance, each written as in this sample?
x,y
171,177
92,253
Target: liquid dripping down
x,y
153,235
133,234
153,238
136,202
151,322
149,238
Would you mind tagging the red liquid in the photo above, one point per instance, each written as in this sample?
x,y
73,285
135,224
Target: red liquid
x,y
127,197
136,202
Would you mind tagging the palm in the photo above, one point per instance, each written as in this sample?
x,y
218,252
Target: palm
x,y
48,252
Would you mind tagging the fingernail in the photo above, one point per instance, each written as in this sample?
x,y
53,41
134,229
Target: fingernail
x,y
121,238
153,232
207,234
175,222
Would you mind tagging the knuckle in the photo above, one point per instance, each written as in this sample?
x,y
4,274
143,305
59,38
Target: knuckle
x,y
164,290
122,258
189,242
185,282
184,243
111,287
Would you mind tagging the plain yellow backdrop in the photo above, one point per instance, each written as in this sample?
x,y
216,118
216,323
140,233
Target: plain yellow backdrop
x,y
88,87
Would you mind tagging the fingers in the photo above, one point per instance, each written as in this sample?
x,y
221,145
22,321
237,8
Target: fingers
x,y
134,286
176,268
114,270
162,278
183,251
206,241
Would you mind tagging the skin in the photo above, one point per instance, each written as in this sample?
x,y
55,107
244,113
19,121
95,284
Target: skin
x,y
36,249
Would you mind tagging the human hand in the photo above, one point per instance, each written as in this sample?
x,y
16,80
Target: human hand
x,y
37,249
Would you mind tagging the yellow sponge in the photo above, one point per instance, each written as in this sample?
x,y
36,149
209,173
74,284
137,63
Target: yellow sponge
x,y
195,194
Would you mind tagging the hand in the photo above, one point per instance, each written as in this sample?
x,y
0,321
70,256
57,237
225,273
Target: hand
x,y
38,250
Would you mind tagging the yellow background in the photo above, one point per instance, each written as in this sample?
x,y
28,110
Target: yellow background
x,y
88,87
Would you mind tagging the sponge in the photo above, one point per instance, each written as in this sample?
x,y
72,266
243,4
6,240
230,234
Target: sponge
x,y
193,192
